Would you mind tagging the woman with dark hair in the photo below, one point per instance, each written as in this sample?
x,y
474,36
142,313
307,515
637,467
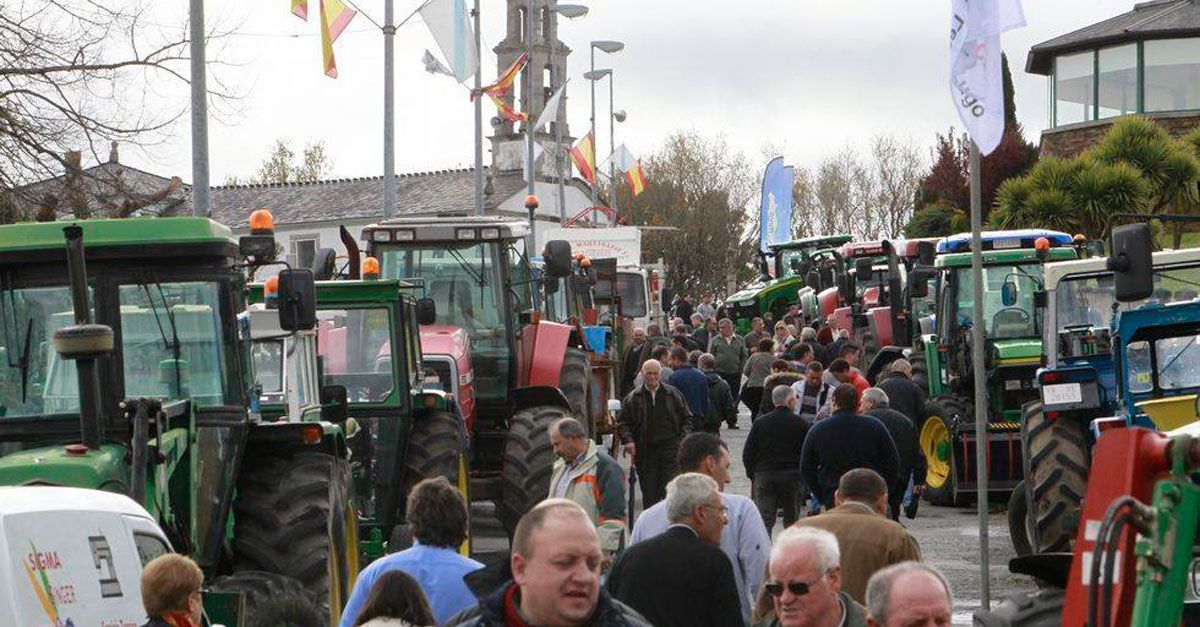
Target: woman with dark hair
x,y
395,600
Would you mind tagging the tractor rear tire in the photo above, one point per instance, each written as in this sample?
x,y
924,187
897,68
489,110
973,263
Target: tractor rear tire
x,y
1056,474
273,599
1031,609
575,382
528,462
920,369
936,437
293,517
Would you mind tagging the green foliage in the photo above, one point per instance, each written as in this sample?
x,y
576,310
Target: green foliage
x,y
935,220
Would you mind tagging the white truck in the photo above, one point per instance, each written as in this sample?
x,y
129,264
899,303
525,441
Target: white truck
x,y
639,285
73,556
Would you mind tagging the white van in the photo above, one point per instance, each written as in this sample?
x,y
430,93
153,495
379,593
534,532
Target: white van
x,y
70,556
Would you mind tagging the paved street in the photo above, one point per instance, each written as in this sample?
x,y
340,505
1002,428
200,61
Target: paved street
x,y
948,539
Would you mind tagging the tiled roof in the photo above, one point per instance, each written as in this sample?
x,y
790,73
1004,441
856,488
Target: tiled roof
x,y
109,187
1148,20
341,199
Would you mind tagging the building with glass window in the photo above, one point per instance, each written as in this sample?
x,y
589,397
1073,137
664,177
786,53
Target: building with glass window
x,y
1146,61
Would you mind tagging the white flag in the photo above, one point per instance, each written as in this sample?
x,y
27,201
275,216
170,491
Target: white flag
x,y
550,112
975,78
450,25
537,152
433,66
621,158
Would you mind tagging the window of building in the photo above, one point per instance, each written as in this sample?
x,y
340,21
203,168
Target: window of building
x,y
1172,74
1074,88
1118,80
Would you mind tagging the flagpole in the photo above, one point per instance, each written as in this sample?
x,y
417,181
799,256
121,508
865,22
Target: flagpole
x,y
389,111
595,182
529,130
200,202
478,116
558,133
977,369
612,147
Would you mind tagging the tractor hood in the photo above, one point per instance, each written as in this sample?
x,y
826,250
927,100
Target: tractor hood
x,y
1018,352
444,339
102,469
758,288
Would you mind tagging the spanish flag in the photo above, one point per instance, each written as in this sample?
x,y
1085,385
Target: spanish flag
x,y
334,19
583,154
636,178
500,88
300,9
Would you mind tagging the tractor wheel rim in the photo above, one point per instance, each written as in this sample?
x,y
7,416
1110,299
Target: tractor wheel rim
x,y
935,444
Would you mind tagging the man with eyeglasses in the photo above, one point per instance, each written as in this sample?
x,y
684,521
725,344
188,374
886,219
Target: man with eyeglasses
x,y
804,583
682,578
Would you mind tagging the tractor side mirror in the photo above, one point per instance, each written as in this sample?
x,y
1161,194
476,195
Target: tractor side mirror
x,y
426,311
334,404
813,279
845,286
297,300
259,247
863,268
1008,293
1131,262
918,283
324,264
557,258
926,251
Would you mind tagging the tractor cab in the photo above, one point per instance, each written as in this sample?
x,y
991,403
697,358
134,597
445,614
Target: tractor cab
x,y
774,294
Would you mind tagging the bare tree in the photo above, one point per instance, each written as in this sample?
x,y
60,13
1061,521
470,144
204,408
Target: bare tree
x,y
897,168
80,74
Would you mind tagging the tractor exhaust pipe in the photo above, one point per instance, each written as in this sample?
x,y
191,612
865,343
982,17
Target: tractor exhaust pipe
x,y
351,244
88,377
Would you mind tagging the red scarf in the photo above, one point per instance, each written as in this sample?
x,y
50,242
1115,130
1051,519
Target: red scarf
x,y
179,619
512,615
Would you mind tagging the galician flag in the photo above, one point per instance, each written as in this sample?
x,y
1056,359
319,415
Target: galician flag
x,y
636,178
583,155
975,79
497,90
335,17
450,25
550,111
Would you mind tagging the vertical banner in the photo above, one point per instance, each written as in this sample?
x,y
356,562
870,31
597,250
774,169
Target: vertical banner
x,y
775,218
975,78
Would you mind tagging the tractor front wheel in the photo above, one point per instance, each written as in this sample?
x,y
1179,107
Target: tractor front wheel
x,y
293,517
575,382
1056,472
436,448
528,462
273,599
937,444
920,368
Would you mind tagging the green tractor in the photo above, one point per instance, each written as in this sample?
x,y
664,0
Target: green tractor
x,y
774,296
134,375
399,427
941,361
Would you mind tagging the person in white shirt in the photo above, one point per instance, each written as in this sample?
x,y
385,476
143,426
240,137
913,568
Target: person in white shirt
x,y
744,539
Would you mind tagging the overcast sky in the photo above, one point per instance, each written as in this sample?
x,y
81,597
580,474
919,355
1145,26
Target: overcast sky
x,y
809,75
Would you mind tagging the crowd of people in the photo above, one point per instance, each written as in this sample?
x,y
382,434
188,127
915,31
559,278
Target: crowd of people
x,y
833,456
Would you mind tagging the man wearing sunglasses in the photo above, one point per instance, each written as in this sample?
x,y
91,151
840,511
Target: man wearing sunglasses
x,y
682,578
804,583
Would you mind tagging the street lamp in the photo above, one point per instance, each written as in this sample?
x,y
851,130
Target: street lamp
x,y
610,47
570,11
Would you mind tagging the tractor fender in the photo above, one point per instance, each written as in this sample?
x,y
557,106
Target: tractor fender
x,y
291,435
541,350
537,396
882,360
827,301
879,321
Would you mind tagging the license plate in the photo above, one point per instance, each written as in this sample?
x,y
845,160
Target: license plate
x,y
1006,243
1012,384
1062,393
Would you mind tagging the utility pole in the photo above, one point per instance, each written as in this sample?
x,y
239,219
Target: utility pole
x,y
558,132
389,110
595,182
612,147
979,375
478,115
529,68
199,80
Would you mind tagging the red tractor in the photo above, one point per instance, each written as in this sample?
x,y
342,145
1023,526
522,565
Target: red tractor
x,y
513,374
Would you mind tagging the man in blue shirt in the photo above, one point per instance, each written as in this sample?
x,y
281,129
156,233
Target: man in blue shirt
x,y
438,515
744,540
691,383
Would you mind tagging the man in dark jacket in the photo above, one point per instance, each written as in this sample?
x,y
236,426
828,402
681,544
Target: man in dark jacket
x,y
631,361
904,395
904,434
681,578
772,459
555,577
691,383
844,441
781,374
722,407
654,419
